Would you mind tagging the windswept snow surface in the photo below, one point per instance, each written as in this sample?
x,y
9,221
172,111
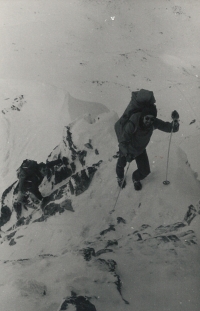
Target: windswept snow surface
x,y
156,251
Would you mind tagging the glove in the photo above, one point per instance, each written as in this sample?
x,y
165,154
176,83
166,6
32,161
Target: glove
x,y
175,115
129,157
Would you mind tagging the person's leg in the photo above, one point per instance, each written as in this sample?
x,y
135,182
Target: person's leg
x,y
143,167
121,163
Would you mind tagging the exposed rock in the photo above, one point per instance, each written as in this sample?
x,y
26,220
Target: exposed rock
x,y
111,243
52,208
173,238
178,240
71,188
88,145
80,302
116,156
81,155
103,251
82,180
62,173
88,253
97,164
67,205
9,236
170,228
193,121
143,227
18,209
19,237
73,167
139,237
96,152
111,228
42,218
188,237
111,266
5,215
121,220
71,145
47,255
12,242
191,213
65,161
21,222
77,184
5,210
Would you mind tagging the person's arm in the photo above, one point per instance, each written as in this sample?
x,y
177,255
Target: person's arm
x,y
128,131
166,126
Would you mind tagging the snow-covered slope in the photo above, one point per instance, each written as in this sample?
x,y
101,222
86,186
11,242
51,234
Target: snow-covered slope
x,y
32,119
146,253
76,251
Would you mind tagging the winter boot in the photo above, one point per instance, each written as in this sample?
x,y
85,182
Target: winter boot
x,y
137,185
121,182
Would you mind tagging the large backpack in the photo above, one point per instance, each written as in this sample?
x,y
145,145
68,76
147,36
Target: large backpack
x,y
27,168
139,100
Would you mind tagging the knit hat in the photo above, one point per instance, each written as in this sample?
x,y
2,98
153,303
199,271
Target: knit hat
x,y
150,110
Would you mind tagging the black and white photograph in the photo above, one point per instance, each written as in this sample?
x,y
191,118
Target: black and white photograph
x,y
100,155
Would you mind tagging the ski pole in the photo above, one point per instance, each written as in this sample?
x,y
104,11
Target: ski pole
x,y
120,188
167,182
175,117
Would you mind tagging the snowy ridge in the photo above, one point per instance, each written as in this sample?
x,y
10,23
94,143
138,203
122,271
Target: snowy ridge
x,y
73,253
33,114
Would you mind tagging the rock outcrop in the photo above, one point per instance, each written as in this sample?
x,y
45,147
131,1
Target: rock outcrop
x,y
72,177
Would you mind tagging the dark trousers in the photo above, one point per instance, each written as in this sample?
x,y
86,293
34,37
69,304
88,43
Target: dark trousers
x,y
143,167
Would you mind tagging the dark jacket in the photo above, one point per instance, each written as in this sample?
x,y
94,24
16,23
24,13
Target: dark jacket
x,y
133,137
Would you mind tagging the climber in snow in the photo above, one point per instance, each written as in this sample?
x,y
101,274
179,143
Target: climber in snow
x,y
134,130
30,175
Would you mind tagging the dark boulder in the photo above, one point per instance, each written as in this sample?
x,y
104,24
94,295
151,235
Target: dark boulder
x,y
88,253
62,173
5,215
12,242
80,302
53,208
